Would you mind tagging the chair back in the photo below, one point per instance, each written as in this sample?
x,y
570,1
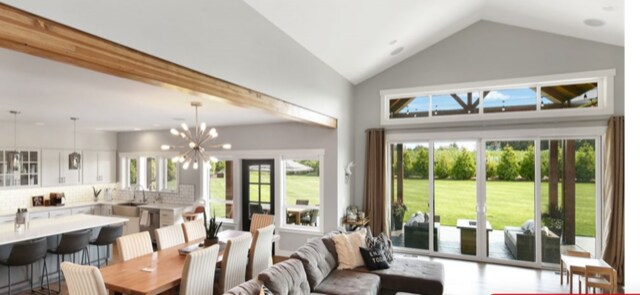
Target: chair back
x,y
605,278
169,236
255,209
194,230
83,279
260,252
108,235
234,263
73,242
578,254
197,275
260,221
302,202
134,245
26,253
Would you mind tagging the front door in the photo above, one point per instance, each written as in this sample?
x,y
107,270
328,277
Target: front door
x,y
257,189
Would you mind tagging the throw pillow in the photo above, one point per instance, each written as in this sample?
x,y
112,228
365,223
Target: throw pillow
x,y
374,258
528,226
383,242
348,249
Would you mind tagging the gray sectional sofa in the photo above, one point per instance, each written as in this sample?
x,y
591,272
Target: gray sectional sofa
x,y
313,270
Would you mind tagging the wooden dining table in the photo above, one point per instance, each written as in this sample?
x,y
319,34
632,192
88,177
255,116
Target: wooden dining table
x,y
156,272
297,213
577,264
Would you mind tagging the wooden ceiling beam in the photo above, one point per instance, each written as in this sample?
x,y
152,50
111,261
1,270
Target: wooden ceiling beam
x,y
28,33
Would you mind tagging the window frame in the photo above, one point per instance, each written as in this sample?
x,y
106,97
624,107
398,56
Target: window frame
x,y
605,108
282,197
206,182
125,176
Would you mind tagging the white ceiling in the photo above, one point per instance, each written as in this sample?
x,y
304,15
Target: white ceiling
x,y
356,37
48,92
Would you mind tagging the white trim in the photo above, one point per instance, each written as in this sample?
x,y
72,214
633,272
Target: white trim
x,y
605,107
282,204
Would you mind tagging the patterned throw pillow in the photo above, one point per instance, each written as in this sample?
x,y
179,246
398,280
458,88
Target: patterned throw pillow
x,y
381,241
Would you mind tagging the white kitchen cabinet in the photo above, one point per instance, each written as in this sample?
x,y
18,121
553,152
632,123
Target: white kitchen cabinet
x,y
99,167
170,217
38,215
91,210
105,210
59,212
55,169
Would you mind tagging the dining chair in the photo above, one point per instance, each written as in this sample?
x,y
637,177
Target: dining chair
x,y
234,263
302,202
169,236
134,245
260,251
83,279
194,230
197,212
604,278
197,276
572,272
260,221
311,219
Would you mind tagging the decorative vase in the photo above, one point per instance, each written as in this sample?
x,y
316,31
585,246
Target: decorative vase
x,y
397,221
210,242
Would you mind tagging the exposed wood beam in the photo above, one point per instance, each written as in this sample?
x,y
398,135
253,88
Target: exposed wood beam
x,y
459,101
32,34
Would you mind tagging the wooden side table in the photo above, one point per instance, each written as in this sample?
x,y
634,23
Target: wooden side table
x,y
352,225
468,236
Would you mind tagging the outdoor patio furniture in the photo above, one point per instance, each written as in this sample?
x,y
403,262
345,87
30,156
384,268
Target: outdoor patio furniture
x,y
468,236
522,245
416,234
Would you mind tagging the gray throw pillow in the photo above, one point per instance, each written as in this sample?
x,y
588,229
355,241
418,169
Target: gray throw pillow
x,y
382,242
528,226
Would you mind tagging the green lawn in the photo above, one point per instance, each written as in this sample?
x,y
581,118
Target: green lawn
x,y
509,203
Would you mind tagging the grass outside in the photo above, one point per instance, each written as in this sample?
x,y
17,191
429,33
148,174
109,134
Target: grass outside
x,y
298,187
509,203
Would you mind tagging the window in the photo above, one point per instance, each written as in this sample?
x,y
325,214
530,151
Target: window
x,y
221,189
167,171
133,172
570,95
152,173
302,192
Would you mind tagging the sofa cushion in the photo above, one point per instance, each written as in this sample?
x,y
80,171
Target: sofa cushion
x,y
286,277
374,258
252,287
382,242
411,275
349,282
348,248
317,261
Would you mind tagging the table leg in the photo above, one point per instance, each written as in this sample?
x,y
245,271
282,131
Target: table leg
x,y
561,272
570,278
297,217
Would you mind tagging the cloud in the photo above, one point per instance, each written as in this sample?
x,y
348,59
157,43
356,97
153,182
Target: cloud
x,y
496,95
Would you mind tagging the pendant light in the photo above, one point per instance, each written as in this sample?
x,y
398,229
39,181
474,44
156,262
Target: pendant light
x,y
74,158
14,157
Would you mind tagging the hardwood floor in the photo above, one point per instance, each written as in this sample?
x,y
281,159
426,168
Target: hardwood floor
x,y
466,277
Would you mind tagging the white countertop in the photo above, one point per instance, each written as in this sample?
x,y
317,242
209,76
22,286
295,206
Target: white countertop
x,y
159,206
162,206
54,226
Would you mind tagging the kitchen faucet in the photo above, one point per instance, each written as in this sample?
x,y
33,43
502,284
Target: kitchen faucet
x,y
141,188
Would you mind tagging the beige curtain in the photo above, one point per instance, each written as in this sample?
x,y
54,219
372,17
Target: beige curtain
x,y
374,181
613,251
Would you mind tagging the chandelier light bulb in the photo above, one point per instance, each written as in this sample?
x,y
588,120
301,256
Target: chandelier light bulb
x,y
226,146
192,144
213,159
175,131
185,166
213,133
203,127
175,159
183,135
165,147
184,126
181,160
195,165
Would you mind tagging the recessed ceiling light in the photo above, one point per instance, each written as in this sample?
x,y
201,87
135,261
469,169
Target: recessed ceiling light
x,y
136,129
39,124
397,51
594,22
178,119
394,41
607,8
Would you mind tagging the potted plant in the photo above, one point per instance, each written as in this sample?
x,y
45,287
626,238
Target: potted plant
x,y
212,230
554,219
397,213
96,194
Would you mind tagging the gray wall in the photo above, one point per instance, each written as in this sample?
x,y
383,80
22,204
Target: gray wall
x,y
483,51
282,136
229,40
49,137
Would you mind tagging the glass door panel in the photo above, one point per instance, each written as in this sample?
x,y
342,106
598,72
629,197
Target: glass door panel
x,y
410,195
568,193
510,199
257,189
454,203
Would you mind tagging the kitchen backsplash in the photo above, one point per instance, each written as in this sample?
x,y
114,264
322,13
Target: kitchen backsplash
x,y
12,199
21,198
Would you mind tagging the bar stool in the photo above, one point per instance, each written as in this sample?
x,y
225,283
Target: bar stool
x,y
72,243
106,237
26,254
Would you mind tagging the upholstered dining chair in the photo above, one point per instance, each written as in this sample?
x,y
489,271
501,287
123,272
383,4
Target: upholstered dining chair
x,y
134,245
598,277
83,279
260,251
169,236
194,230
197,276
260,221
234,263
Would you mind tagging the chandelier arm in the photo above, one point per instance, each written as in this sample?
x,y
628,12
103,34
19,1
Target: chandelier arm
x,y
205,140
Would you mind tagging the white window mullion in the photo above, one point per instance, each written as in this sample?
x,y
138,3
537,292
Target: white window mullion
x,y
538,202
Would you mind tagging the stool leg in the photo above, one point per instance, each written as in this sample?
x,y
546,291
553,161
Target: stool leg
x,y
31,277
9,273
106,259
45,272
98,249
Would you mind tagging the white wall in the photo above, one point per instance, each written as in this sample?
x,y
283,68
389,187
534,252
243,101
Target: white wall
x,y
229,40
38,137
483,51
